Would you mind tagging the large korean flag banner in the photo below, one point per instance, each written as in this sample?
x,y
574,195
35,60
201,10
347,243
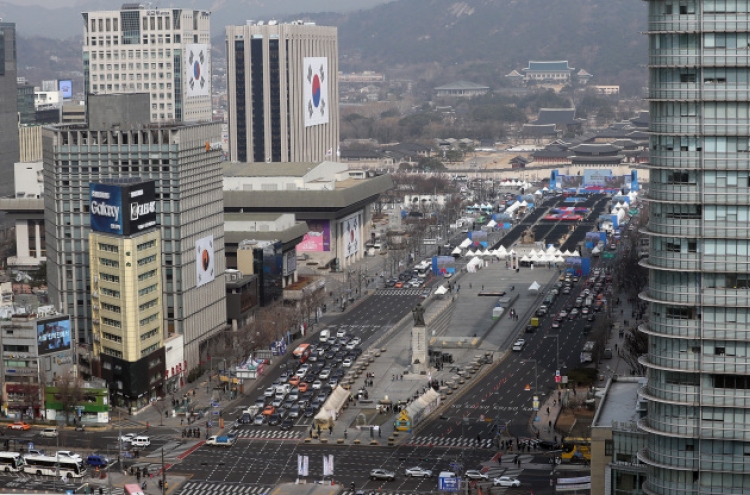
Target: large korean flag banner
x,y
197,59
316,91
204,260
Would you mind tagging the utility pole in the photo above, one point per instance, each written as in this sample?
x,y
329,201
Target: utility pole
x,y
163,474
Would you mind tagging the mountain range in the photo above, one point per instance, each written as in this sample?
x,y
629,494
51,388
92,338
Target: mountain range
x,y
438,41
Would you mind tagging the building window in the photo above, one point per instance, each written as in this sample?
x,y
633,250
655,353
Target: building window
x,y
149,319
109,262
147,290
108,247
147,260
111,307
112,323
111,352
112,337
146,275
609,448
111,293
148,304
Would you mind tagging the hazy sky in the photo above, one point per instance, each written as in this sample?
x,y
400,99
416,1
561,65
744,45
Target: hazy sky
x,y
281,5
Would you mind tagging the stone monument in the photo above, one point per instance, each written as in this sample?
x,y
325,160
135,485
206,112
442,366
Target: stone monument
x,y
419,346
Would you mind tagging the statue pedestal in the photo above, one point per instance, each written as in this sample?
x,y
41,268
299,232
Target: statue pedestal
x,y
420,361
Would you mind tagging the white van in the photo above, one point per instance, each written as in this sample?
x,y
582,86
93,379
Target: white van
x,y
325,335
141,441
49,432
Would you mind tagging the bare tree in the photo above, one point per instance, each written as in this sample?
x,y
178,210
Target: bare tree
x,y
69,392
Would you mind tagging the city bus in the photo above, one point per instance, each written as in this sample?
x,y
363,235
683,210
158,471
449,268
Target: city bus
x,y
302,352
44,465
11,462
422,269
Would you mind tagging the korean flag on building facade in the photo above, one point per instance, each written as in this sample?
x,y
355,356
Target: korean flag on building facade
x,y
204,260
303,465
316,91
197,63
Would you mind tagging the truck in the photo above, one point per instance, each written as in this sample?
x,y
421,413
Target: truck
x,y
223,440
587,353
576,453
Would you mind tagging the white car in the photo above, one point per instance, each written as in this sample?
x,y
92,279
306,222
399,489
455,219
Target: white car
x,y
506,481
270,392
67,453
128,437
473,474
418,472
518,345
302,371
347,363
341,333
317,384
325,374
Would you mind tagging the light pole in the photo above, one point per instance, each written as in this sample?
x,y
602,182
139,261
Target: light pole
x,y
557,357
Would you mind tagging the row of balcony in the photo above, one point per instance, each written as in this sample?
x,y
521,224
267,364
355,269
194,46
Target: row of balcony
x,y
697,194
690,362
691,126
691,396
693,461
690,296
731,23
660,326
695,160
693,262
706,91
693,428
697,229
698,58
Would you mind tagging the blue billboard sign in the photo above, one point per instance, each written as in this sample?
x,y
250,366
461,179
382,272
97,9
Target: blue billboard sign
x,y
53,335
449,484
122,209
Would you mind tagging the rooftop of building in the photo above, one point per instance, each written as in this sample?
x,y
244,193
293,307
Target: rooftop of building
x,y
462,85
552,65
619,401
539,130
263,169
557,116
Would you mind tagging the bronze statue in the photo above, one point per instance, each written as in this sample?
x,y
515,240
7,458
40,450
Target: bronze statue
x,y
418,313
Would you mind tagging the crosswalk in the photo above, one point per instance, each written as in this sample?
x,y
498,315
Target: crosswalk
x,y
401,292
126,423
208,488
275,434
422,440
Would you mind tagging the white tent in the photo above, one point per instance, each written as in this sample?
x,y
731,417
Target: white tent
x,y
465,243
596,250
500,254
486,252
576,254
526,258
441,291
532,253
545,189
558,252
492,223
539,192
524,203
559,259
456,250
333,405
469,254
566,253
551,250
422,406
474,265
534,287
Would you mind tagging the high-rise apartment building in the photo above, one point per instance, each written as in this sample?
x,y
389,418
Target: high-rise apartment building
x,y
8,105
283,92
165,52
698,360
119,142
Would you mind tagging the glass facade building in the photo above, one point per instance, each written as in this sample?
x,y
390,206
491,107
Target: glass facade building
x,y
698,360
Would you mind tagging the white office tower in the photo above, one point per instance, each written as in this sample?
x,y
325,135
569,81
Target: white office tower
x,y
698,358
165,52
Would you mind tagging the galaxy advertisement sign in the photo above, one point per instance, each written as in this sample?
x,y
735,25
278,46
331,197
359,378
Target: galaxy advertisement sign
x,y
122,209
53,335
318,238
597,177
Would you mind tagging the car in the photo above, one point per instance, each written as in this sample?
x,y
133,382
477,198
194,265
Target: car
x,y
398,285
566,290
285,376
613,247
563,314
591,317
558,285
556,324
67,453
325,374
287,424
49,432
356,341
572,316
530,329
585,311
382,474
260,401
316,403
294,381
518,345
96,461
555,291
302,371
293,394
309,411
303,387
127,438
418,472
390,284
574,311
506,481
259,420
541,312
277,401
245,419
310,379
269,410
19,425
270,392
317,384
347,363
274,419
473,474
447,275
295,411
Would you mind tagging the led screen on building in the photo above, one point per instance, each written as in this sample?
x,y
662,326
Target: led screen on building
x,y
122,209
66,88
53,335
318,238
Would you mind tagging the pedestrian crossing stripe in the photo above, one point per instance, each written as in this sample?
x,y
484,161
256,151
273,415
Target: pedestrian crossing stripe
x,y
497,472
209,488
267,434
421,441
400,292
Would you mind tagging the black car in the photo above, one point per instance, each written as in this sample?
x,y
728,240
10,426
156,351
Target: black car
x,y
245,419
591,317
287,424
309,412
329,355
390,284
587,328
274,419
530,329
260,401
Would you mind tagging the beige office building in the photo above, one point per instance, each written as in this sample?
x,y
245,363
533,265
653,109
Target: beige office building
x,y
165,52
282,83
